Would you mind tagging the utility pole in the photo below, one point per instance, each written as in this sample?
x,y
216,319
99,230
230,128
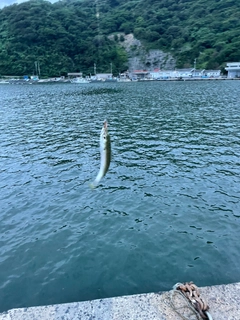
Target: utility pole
x,y
195,62
38,69
111,68
95,69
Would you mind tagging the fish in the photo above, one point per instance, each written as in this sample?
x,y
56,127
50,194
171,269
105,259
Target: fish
x,y
105,153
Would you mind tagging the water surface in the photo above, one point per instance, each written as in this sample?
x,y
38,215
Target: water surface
x,y
167,211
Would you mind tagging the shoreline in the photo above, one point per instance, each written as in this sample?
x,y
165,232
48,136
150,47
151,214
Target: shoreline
x,y
24,82
223,302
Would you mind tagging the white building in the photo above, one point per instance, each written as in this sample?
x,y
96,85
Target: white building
x,y
102,76
212,73
177,73
74,74
162,74
184,73
233,69
140,74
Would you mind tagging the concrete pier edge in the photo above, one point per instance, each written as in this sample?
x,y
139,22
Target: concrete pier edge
x,y
223,301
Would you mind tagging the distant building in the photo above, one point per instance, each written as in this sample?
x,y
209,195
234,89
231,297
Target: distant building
x,y
103,76
183,73
196,73
161,74
158,74
212,73
140,74
233,69
74,74
155,74
170,74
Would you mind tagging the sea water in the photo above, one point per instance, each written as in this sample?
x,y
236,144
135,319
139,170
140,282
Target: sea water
x,y
167,211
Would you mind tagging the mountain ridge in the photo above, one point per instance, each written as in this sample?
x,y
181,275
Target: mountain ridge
x,y
75,35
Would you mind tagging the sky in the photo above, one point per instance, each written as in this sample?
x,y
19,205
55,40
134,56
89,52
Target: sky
x,y
4,3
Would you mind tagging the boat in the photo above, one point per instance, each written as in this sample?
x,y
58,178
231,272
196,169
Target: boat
x,y
121,79
111,80
79,80
4,82
96,79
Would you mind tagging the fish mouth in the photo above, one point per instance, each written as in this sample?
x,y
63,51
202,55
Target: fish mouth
x,y
105,124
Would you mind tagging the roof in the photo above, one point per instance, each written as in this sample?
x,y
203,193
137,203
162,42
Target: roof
x,y
141,71
103,74
75,74
185,70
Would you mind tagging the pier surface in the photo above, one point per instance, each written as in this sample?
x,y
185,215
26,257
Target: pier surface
x,y
223,302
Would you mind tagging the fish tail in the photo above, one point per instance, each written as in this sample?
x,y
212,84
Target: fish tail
x,y
92,185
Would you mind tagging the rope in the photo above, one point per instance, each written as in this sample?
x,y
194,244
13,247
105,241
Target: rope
x,y
190,293
187,305
208,315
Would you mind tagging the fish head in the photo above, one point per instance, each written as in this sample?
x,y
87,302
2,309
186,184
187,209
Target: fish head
x,y
104,131
105,124
104,136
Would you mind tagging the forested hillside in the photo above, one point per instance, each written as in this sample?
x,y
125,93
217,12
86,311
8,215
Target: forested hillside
x,y
73,35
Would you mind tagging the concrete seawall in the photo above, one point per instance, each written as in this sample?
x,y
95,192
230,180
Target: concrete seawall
x,y
223,301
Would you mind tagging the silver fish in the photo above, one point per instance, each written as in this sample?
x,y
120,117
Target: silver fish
x,y
105,152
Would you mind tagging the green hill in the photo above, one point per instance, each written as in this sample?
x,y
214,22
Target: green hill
x,y
73,35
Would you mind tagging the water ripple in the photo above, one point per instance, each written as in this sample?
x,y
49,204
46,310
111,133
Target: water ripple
x,y
167,211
